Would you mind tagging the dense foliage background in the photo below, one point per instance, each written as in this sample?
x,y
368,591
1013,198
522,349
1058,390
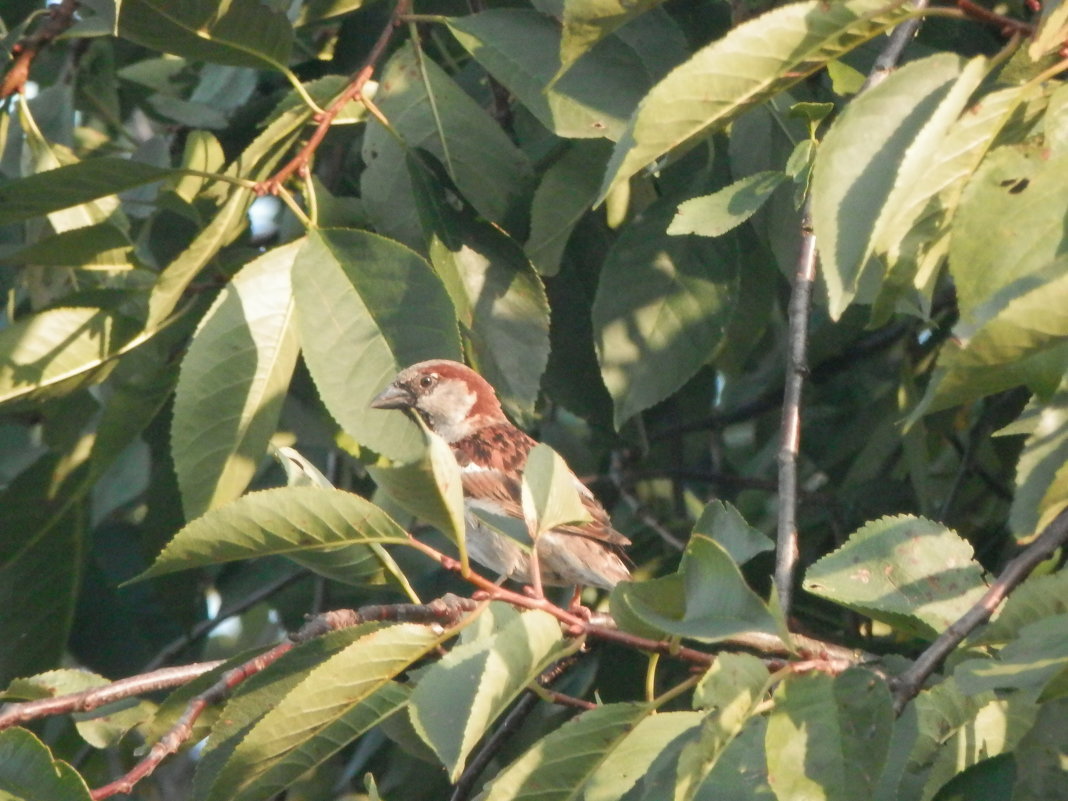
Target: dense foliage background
x,y
224,226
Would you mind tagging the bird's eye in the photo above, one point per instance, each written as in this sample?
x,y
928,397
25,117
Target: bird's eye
x,y
426,381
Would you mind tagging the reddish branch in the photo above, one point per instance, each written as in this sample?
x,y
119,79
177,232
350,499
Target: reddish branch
x,y
1007,26
908,684
59,18
445,611
354,91
448,611
86,701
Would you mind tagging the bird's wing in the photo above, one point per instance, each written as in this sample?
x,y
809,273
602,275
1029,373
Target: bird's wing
x,y
491,466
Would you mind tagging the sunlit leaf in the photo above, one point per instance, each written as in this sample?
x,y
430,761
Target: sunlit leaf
x,y
555,767
244,33
867,164
827,737
63,187
357,294
550,492
520,48
753,62
278,521
233,381
330,706
715,214
461,696
912,573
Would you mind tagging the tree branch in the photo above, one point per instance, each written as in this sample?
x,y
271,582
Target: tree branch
x,y
60,17
444,611
790,433
299,163
87,700
786,551
908,684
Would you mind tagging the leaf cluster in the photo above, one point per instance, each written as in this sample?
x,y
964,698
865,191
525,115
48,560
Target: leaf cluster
x,y
598,205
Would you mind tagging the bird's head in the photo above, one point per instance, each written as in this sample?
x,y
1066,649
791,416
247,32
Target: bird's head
x,y
453,400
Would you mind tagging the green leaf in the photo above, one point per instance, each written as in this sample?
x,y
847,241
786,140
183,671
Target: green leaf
x,y
730,691
1042,469
706,600
1009,229
715,214
95,247
989,780
1037,598
753,62
559,764
242,33
499,299
39,584
1030,662
460,696
437,115
355,294
28,771
550,492
993,729
1039,756
332,704
55,352
350,564
430,488
277,521
234,378
586,22
520,48
638,753
722,522
104,726
872,156
912,573
565,194
662,305
827,737
176,276
73,185
251,700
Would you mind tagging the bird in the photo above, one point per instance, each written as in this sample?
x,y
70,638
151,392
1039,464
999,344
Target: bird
x,y
461,407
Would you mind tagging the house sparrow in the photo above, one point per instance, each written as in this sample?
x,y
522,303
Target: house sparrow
x,y
461,407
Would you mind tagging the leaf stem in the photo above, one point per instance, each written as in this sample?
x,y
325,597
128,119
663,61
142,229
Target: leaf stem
x,y
650,677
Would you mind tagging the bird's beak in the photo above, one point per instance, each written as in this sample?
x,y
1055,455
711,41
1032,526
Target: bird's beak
x,y
393,397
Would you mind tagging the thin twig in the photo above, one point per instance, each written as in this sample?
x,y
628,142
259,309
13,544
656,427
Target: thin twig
x,y
887,60
908,684
615,473
299,163
60,17
797,348
16,714
790,436
602,628
1007,26
512,722
205,627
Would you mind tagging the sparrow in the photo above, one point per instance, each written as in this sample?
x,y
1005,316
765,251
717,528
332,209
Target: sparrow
x,y
461,407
